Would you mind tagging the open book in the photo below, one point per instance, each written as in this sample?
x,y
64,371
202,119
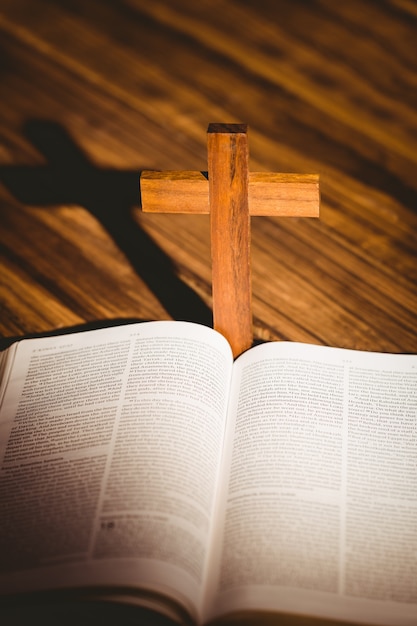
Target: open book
x,y
142,461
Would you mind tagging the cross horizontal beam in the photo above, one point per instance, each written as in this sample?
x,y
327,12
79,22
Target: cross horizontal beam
x,y
278,195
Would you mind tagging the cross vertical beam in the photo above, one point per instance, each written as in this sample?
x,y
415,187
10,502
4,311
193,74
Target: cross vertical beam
x,y
228,173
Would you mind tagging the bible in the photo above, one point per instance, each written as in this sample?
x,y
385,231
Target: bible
x,y
143,464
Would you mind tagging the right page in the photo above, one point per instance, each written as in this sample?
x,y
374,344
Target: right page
x,y
318,513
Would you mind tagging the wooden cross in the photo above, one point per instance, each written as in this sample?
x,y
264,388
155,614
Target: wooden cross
x,y
230,193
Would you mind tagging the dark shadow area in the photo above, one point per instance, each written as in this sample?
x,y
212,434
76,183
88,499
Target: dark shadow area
x,y
5,342
109,195
80,613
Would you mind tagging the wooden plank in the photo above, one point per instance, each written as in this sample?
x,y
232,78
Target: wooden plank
x,y
348,279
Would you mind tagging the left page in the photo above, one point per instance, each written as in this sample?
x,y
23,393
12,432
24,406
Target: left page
x,y
110,443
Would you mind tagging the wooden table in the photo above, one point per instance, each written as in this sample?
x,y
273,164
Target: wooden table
x,y
91,93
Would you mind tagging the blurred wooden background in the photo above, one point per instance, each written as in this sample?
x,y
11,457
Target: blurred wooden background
x,y
94,91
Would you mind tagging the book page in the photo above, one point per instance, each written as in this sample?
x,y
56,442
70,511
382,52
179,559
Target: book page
x,y
110,443
319,513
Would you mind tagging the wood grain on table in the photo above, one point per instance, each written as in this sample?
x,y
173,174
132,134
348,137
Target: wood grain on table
x,y
92,93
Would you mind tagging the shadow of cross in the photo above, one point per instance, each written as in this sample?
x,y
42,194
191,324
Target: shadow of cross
x,y
69,177
231,194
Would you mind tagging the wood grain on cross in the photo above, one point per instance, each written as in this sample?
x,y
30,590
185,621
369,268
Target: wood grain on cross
x,y
231,194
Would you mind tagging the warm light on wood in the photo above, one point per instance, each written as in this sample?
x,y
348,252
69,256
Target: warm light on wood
x,y
230,193
279,195
228,166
